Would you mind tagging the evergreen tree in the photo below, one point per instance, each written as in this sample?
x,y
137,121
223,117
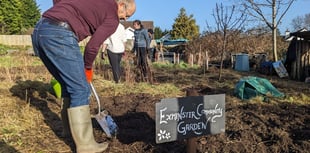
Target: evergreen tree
x,y
16,16
10,16
2,12
30,14
184,26
158,33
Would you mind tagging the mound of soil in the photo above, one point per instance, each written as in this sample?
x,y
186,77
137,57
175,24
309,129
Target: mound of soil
x,y
249,127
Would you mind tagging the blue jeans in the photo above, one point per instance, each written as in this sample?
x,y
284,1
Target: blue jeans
x,y
59,50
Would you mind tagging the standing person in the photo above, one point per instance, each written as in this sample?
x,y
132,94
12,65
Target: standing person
x,y
152,44
115,46
55,39
141,46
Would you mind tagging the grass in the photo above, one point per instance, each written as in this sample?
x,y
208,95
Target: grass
x,y
17,117
3,49
300,98
8,61
20,117
109,88
181,66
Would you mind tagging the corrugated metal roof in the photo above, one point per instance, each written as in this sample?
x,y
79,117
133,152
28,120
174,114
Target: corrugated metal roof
x,y
301,34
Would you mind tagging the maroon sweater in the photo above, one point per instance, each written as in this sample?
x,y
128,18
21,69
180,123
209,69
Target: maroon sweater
x,y
95,18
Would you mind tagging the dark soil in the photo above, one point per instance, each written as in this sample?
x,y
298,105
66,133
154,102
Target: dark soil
x,y
277,127
249,128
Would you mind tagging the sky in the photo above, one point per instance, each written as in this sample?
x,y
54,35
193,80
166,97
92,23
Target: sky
x,y
164,12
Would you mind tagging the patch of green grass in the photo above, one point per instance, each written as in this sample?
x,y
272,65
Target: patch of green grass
x,y
305,98
160,65
167,89
182,65
21,60
7,61
109,88
3,49
299,98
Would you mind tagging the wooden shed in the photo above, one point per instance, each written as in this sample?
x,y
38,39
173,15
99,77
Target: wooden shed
x,y
298,56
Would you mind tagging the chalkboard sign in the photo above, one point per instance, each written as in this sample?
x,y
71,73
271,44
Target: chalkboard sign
x,y
181,118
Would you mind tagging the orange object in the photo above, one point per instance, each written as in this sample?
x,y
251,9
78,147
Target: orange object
x,y
89,75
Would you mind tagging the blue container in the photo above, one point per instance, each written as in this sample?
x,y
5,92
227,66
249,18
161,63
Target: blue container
x,y
242,62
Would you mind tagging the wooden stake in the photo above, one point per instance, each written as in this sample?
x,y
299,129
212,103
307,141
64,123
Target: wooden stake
x,y
191,145
174,58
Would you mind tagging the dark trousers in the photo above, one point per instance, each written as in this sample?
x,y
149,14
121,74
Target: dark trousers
x,y
115,62
141,60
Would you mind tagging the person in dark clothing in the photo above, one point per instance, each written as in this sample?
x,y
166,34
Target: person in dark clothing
x,y
141,46
152,51
115,46
55,40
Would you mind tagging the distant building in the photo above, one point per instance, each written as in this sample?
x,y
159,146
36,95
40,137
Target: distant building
x,y
297,60
129,33
146,24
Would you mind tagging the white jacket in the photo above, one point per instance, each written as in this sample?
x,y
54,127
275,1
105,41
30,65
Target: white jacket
x,y
115,43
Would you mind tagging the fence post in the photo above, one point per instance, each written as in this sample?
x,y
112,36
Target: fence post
x,y
192,59
191,145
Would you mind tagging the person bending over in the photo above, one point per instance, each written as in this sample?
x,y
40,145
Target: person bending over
x,y
55,40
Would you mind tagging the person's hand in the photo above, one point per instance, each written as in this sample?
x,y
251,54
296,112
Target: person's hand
x,y
89,75
102,55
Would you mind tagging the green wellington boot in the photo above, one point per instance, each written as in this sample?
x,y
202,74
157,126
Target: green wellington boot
x,y
82,131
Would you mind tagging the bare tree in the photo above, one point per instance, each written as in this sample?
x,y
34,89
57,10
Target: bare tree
x,y
259,9
298,23
227,22
307,21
